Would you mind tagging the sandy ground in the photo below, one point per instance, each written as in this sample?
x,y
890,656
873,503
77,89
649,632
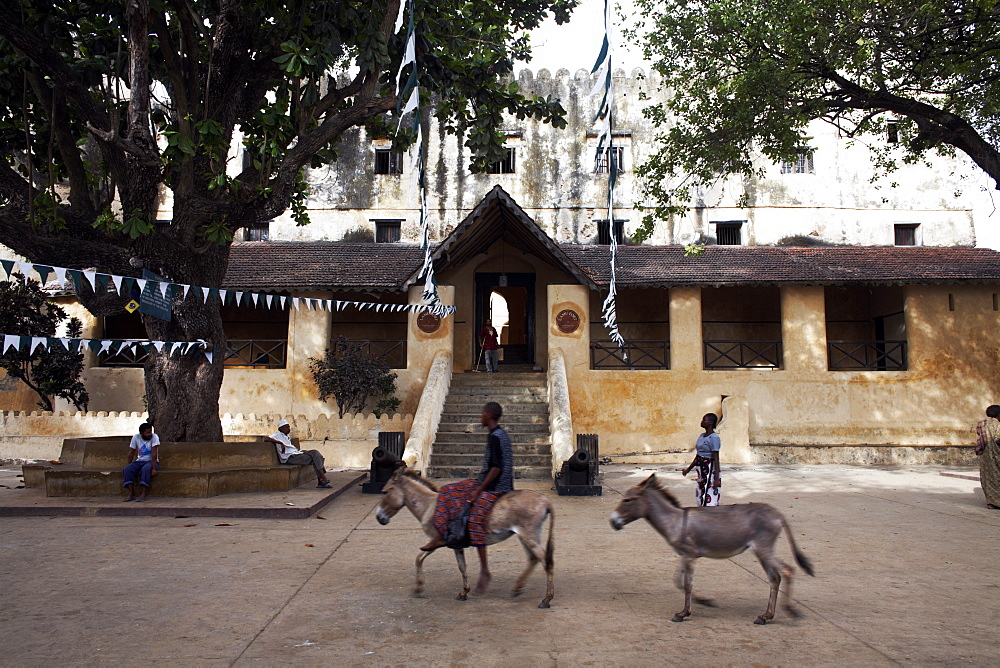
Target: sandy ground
x,y
906,563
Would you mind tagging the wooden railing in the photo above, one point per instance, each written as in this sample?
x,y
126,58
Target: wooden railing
x,y
742,355
636,354
392,351
867,355
255,353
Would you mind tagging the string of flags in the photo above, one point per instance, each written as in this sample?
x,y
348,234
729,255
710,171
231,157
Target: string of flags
x,y
30,344
605,121
411,93
123,285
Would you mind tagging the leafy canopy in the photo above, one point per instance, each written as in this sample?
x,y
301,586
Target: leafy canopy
x,y
745,78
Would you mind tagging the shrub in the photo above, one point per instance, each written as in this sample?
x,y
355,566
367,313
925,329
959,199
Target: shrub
x,y
352,376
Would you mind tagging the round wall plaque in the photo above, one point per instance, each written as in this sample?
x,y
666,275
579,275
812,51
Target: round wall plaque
x,y
428,322
568,321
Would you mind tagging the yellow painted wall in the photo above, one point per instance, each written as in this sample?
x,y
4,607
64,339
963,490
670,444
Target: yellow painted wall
x,y
952,377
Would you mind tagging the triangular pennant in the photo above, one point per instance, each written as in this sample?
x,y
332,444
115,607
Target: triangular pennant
x,y
8,266
26,268
102,282
11,341
255,296
222,295
270,298
295,303
117,281
284,302
94,344
183,287
159,346
141,282
60,276
91,277
239,297
65,343
105,345
208,356
38,341
205,292
163,288
43,273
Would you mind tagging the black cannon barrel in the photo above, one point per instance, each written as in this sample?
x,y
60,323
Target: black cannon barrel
x,y
580,461
383,458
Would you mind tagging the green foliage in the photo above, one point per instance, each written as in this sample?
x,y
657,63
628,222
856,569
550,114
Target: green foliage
x,y
24,310
694,250
359,235
745,79
352,376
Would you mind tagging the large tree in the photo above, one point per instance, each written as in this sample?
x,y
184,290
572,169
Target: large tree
x,y
104,103
745,78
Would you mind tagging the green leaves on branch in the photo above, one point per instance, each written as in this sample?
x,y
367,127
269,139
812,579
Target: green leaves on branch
x,y
133,225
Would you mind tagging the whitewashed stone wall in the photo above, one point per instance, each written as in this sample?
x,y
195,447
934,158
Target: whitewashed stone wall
x,y
556,184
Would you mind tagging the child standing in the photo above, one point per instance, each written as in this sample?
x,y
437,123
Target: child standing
x,y
707,460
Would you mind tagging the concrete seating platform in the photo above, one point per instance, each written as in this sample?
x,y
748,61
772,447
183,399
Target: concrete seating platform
x,y
93,467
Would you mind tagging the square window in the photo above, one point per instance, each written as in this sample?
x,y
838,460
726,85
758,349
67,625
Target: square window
x,y
388,161
892,132
604,231
905,235
505,166
258,232
729,234
803,164
387,231
605,156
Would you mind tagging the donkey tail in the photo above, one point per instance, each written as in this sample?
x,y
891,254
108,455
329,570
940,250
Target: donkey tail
x,y
801,559
550,545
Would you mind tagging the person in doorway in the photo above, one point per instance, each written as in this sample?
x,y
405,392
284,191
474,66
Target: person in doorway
x,y
706,460
289,454
143,460
490,344
988,449
496,478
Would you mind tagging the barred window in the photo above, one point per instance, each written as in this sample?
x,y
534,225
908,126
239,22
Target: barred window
x,y
387,231
388,161
258,232
729,233
803,164
905,235
505,166
604,231
605,155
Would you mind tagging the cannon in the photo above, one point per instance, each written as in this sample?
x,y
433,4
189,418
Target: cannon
x,y
385,458
578,476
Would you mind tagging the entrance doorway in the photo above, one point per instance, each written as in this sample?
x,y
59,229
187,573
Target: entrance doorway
x,y
511,307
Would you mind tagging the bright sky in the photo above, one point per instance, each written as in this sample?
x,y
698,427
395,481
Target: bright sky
x,y
575,45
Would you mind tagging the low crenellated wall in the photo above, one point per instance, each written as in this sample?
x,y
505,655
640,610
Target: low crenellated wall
x,y
346,442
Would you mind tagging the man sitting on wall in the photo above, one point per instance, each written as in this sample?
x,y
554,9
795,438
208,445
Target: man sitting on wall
x,y
289,454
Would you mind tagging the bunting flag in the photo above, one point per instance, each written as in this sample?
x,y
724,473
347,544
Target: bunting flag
x,y
605,131
30,344
411,93
122,284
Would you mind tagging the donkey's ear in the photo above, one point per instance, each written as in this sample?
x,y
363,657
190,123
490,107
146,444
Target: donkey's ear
x,y
651,480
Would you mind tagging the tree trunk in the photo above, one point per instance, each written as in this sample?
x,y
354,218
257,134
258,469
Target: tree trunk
x,y
182,391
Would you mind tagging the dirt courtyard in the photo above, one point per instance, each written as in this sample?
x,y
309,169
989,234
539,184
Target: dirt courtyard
x,y
906,563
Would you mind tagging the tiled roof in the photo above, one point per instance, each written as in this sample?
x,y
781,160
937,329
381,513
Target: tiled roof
x,y
284,265
325,265
772,265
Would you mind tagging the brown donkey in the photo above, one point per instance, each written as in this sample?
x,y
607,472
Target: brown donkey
x,y
520,512
718,532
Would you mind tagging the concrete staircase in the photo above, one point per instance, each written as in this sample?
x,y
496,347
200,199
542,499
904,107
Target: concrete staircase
x,y
460,441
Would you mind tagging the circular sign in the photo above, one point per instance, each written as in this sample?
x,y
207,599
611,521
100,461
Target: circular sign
x,y
568,321
428,322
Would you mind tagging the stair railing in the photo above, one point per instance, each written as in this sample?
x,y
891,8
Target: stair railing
x,y
428,416
560,416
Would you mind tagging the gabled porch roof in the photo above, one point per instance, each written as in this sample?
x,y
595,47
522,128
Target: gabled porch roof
x,y
498,217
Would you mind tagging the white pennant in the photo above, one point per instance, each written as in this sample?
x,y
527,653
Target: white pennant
x,y
117,282
158,345
208,356
295,303
105,345
65,343
141,282
412,102
222,295
60,275
11,340
38,341
204,294
399,17
26,268
163,289
239,298
409,56
91,277
284,302
270,298
255,296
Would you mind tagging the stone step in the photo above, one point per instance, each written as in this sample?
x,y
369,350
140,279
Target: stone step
x,y
538,427
479,441
511,420
462,404
494,379
476,461
467,448
498,394
465,473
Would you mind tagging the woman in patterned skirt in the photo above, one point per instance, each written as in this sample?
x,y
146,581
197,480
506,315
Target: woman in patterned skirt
x,y
706,460
496,477
988,449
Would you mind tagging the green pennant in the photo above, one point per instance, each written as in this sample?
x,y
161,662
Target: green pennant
x,y
95,345
43,273
101,281
77,276
8,266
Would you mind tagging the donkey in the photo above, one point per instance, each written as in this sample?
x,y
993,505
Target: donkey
x,y
718,532
520,512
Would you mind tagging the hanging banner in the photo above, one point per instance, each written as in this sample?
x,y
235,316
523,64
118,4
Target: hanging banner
x,y
155,301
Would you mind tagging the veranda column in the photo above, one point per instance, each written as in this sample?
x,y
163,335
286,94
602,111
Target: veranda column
x,y
308,336
685,330
569,325
803,328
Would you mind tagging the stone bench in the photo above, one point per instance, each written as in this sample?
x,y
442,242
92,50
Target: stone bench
x,y
93,467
